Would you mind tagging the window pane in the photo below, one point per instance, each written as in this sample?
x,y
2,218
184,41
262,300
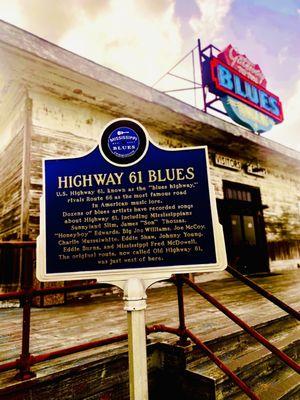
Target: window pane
x,y
237,237
249,229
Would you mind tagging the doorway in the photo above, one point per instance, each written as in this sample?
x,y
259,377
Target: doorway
x,y
241,214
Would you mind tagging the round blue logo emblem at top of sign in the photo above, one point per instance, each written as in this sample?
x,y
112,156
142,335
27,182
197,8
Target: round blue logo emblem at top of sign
x,y
123,142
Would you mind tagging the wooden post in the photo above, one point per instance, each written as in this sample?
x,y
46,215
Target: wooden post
x,y
25,180
24,361
26,165
135,305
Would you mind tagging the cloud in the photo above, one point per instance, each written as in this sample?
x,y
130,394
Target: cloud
x,y
10,11
49,19
213,14
288,132
283,54
137,38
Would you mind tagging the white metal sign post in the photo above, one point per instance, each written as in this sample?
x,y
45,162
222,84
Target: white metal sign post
x,y
135,305
129,213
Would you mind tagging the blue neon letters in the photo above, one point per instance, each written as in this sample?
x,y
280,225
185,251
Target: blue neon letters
x,y
246,90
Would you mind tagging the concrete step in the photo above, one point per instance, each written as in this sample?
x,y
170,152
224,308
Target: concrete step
x,y
254,364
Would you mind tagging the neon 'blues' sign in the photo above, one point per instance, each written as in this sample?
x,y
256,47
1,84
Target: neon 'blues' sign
x,y
241,87
247,116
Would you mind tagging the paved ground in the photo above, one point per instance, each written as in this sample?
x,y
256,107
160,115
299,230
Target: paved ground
x,y
63,326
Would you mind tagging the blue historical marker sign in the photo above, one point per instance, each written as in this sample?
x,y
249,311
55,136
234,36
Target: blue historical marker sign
x,y
128,207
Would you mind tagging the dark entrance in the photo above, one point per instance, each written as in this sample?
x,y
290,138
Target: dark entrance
x,y
241,214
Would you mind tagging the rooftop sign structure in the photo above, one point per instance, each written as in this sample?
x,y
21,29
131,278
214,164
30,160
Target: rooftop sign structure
x,y
231,85
242,64
241,86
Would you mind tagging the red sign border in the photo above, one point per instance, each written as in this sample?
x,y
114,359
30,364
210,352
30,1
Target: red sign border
x,y
214,62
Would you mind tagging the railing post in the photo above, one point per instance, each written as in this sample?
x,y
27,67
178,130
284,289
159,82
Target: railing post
x,y
183,341
24,361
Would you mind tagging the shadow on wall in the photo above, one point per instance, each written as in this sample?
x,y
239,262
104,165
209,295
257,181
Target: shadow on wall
x,y
286,227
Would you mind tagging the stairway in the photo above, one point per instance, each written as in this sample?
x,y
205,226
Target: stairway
x,y
193,376
266,375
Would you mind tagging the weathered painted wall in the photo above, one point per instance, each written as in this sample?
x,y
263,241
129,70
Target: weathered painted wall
x,y
11,167
59,128
280,191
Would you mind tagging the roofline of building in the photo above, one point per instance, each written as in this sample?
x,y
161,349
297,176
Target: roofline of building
x,y
24,41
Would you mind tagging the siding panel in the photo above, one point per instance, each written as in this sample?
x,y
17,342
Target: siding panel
x,y
11,183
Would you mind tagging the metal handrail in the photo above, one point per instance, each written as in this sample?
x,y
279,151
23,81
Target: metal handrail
x,y
286,359
64,352
53,290
18,243
26,294
242,385
263,292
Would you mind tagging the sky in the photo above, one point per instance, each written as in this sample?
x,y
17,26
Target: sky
x,y
143,39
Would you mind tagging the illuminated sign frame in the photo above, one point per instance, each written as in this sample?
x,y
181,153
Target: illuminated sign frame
x,y
230,78
215,62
